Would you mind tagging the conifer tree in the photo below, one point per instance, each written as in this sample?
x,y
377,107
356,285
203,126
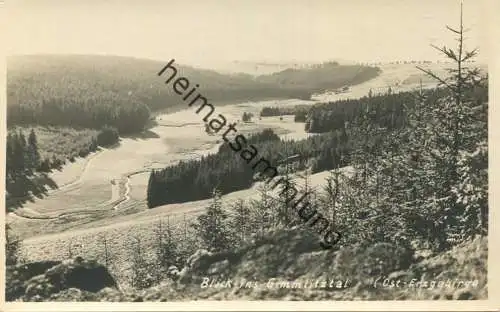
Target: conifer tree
x,y
142,271
212,226
242,219
154,192
309,201
285,196
12,246
9,155
33,154
456,130
331,194
264,210
19,153
150,190
166,251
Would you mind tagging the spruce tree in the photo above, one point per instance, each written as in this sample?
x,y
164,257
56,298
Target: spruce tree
x,y
32,152
242,219
19,153
457,129
330,198
12,246
285,199
153,194
142,270
166,247
9,155
263,210
212,226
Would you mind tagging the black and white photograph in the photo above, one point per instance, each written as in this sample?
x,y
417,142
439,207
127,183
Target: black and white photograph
x,y
210,152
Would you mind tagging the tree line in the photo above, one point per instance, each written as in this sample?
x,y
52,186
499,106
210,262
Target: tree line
x,y
329,150
225,169
229,172
24,163
24,158
386,110
93,112
22,155
27,159
279,111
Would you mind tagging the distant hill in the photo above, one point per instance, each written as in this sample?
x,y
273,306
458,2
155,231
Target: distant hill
x,y
322,77
90,75
91,90
258,68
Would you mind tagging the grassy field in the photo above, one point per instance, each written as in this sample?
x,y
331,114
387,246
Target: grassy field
x,y
120,230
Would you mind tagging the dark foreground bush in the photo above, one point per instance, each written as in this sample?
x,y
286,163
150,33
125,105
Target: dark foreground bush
x,y
38,281
108,136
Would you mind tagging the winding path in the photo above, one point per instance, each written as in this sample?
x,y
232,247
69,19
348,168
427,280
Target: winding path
x,y
118,197
179,125
147,168
126,196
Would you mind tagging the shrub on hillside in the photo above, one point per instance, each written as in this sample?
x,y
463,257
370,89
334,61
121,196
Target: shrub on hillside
x,y
12,247
108,136
57,163
247,117
300,116
44,165
212,227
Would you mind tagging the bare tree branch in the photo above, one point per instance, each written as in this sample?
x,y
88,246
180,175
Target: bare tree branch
x,y
430,73
453,30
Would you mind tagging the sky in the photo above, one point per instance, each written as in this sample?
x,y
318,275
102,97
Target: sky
x,y
208,32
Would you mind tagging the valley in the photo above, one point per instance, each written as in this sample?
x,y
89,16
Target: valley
x,y
107,189
153,147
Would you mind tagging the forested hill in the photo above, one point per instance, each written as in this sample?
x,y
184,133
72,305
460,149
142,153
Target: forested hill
x,y
91,91
321,77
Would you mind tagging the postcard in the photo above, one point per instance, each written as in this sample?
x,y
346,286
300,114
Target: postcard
x,y
249,155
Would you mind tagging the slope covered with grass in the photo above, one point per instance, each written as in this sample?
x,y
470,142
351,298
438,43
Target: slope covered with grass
x,y
286,265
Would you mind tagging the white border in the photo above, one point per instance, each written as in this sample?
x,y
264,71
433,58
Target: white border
x,y
491,48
